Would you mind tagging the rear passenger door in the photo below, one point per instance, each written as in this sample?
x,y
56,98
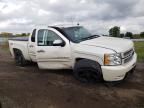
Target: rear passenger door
x,y
50,56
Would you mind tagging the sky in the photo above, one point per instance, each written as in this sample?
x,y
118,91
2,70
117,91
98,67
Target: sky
x,y
99,16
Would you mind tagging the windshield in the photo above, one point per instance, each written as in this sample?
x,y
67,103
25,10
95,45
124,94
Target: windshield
x,y
78,33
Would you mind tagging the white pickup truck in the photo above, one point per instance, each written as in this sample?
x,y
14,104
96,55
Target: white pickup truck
x,y
92,57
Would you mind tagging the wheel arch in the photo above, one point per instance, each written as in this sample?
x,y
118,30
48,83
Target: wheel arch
x,y
22,50
97,60
88,60
15,50
87,63
19,57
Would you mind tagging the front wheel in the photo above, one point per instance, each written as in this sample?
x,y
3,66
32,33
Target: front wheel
x,y
87,71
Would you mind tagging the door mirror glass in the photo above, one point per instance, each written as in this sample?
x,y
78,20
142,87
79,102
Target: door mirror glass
x,y
58,43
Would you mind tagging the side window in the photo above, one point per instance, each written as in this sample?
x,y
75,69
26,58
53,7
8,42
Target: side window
x,y
33,35
51,37
41,37
47,37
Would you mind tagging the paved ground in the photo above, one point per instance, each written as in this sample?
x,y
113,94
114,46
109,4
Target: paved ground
x,y
30,87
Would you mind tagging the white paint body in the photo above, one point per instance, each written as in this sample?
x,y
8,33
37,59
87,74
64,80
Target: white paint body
x,y
57,57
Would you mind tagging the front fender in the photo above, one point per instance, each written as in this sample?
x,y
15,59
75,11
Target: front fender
x,y
92,57
90,52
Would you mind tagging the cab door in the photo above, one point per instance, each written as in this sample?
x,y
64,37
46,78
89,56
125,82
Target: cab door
x,y
32,46
50,55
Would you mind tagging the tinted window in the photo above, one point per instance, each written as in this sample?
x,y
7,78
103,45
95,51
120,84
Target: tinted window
x,y
41,36
33,35
47,37
77,33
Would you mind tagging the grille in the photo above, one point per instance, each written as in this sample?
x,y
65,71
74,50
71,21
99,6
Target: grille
x,y
126,60
128,55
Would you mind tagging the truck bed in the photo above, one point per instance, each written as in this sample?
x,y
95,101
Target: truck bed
x,y
19,39
20,43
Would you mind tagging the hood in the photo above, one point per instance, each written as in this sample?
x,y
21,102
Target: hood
x,y
116,44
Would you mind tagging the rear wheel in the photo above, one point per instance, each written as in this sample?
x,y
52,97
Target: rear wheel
x,y
19,58
87,71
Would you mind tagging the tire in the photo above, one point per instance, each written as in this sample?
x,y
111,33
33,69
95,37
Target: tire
x,y
19,58
87,71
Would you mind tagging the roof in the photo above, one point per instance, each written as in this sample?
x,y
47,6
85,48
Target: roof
x,y
65,25
57,25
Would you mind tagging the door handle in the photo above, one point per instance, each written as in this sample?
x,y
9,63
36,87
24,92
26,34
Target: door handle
x,y
40,51
31,46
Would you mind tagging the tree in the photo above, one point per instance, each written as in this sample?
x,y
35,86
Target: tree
x,y
136,36
114,31
129,34
23,34
111,32
122,35
142,34
28,34
6,34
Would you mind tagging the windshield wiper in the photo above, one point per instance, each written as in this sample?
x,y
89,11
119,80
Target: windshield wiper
x,y
90,37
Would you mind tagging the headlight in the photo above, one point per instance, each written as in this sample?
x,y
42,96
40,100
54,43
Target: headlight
x,y
112,59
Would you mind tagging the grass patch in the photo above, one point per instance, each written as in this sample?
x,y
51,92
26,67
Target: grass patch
x,y
139,47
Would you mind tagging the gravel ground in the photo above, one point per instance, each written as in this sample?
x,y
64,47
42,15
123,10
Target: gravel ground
x,y
30,87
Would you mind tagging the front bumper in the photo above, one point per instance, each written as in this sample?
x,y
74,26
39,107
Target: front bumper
x,y
117,73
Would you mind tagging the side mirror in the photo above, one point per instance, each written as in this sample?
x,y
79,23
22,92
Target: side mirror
x,y
59,43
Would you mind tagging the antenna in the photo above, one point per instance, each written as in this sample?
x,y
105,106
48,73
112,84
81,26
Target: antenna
x,y
72,20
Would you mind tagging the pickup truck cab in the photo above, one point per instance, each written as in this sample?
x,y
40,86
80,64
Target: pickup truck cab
x,y
92,57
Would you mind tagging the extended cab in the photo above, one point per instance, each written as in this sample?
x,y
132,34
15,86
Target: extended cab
x,y
91,57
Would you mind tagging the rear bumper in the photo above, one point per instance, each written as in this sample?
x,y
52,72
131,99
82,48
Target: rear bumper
x,y
117,73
